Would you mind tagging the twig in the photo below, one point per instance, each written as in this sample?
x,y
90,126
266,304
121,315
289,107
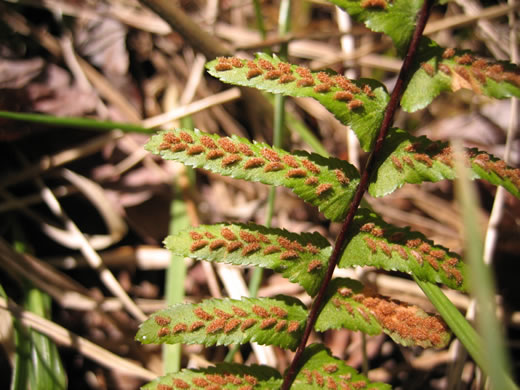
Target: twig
x,y
360,191
189,109
463,20
90,254
494,41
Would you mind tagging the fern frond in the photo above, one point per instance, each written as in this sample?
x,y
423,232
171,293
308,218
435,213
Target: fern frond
x,y
327,183
349,305
320,370
272,321
302,258
358,104
396,18
408,159
439,69
378,244
223,376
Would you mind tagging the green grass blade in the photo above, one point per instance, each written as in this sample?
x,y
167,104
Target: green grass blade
x,y
176,272
43,364
22,360
495,360
297,126
47,371
459,326
83,123
175,276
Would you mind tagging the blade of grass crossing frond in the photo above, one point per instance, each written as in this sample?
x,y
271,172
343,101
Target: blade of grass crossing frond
x,y
175,276
455,320
279,125
176,272
496,364
459,326
259,18
295,125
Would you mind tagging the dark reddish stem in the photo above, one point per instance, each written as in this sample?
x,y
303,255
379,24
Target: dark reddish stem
x,y
360,191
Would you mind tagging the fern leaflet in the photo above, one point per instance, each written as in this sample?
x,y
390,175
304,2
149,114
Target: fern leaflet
x,y
300,258
359,104
273,321
409,159
223,376
349,305
327,183
321,370
378,244
439,69
396,18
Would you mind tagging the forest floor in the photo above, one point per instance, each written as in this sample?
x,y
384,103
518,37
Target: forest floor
x,y
121,62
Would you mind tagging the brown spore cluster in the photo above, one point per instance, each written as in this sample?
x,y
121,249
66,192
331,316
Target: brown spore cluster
x,y
378,4
406,320
323,189
428,68
224,63
162,321
314,265
255,162
162,386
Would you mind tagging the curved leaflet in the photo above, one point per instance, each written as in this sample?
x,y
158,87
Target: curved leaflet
x,y
408,159
378,244
359,104
439,69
